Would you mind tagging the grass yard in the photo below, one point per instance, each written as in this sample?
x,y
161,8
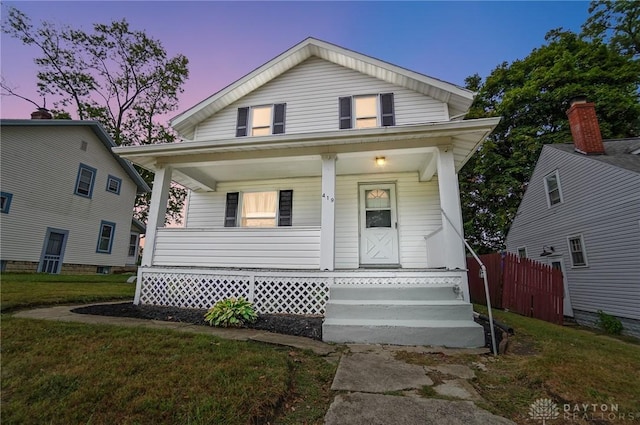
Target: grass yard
x,y
25,290
566,364
62,373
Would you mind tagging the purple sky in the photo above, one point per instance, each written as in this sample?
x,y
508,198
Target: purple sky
x,y
226,40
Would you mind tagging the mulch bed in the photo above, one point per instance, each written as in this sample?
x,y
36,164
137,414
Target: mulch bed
x,y
306,326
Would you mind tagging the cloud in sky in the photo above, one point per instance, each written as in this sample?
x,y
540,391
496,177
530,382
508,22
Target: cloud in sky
x,y
226,40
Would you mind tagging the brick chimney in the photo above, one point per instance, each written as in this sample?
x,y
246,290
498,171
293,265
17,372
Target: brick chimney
x,y
584,127
41,114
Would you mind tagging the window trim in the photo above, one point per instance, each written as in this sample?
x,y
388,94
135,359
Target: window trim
x,y
548,192
93,172
104,223
7,203
111,178
524,248
583,246
385,117
245,115
236,204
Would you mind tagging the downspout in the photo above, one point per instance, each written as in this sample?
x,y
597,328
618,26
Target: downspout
x,y
494,348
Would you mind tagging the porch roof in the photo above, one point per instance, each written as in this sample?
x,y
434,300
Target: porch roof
x,y
199,165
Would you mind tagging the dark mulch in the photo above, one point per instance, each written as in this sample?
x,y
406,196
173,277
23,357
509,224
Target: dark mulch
x,y
307,326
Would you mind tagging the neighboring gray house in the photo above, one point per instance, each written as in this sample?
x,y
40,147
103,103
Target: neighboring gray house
x,y
581,213
67,200
323,182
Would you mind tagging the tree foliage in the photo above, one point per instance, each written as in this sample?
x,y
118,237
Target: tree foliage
x,y
112,74
532,96
617,23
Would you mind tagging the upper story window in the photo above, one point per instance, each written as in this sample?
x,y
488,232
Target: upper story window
x,y
5,202
261,120
366,111
85,180
553,189
113,184
577,251
105,238
259,209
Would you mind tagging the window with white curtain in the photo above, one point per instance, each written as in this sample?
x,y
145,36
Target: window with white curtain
x,y
259,209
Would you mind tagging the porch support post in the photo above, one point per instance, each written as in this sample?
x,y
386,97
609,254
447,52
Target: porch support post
x,y
454,250
328,211
157,211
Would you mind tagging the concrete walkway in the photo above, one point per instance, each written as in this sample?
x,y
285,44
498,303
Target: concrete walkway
x,y
373,387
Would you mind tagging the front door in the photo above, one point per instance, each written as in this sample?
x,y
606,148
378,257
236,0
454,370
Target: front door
x,y
378,225
558,264
53,251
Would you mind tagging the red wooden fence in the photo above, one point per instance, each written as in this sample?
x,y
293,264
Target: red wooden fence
x,y
521,285
493,263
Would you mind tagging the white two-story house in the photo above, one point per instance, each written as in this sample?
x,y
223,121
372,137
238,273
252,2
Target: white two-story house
x,y
323,182
67,199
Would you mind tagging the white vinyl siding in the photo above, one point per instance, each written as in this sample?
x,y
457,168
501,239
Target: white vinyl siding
x,y
418,211
42,175
288,248
311,91
601,202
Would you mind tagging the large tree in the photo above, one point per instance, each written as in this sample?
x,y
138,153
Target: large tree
x,y
114,74
531,95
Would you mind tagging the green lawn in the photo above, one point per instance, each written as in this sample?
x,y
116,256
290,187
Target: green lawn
x,y
23,290
62,373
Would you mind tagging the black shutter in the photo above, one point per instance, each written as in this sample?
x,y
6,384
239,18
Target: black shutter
x,y
345,112
386,102
241,126
231,211
278,118
285,208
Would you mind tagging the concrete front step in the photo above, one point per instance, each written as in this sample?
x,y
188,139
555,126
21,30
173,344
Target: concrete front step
x,y
399,309
396,292
448,333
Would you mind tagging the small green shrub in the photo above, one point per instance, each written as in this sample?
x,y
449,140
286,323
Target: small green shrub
x,y
610,324
232,312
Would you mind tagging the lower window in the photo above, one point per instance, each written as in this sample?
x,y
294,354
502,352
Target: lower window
x,y
259,209
577,251
105,238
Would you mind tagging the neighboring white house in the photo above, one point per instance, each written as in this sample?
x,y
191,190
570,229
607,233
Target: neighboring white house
x,y
581,214
67,199
319,184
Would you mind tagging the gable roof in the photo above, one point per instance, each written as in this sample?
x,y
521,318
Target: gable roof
x,y
458,98
100,133
621,153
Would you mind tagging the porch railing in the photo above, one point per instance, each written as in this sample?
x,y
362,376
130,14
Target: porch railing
x,y
278,248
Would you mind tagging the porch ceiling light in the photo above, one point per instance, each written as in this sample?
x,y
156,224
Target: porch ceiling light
x,y
380,161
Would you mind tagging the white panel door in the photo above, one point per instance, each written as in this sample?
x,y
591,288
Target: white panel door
x,y
378,224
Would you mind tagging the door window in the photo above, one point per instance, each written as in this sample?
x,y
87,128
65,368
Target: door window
x,y
378,208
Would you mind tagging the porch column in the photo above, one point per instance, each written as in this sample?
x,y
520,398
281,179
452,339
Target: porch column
x,y
157,212
328,211
454,250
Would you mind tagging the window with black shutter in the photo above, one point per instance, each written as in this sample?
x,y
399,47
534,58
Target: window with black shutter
x,y
285,208
345,112
278,118
241,126
231,210
386,105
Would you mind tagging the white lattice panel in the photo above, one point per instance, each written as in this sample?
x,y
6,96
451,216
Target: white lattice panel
x,y
192,290
397,281
292,295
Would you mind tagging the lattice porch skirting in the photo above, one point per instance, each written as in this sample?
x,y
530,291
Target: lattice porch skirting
x,y
299,292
